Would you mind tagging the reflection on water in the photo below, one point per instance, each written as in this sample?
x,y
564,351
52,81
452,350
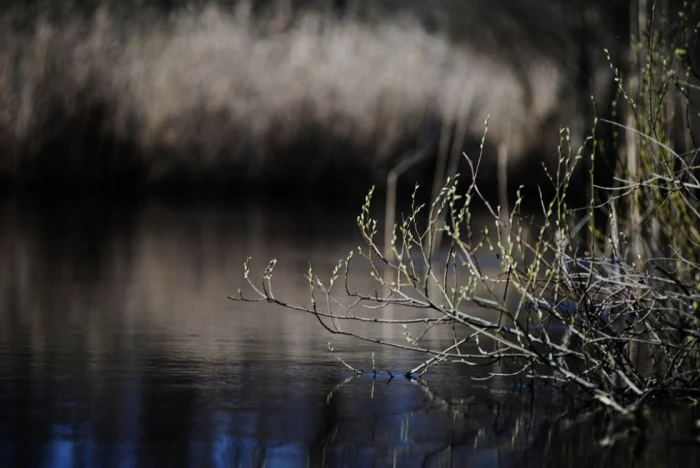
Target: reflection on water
x,y
118,347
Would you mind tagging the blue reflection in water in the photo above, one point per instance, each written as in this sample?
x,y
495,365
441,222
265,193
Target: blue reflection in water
x,y
61,453
69,446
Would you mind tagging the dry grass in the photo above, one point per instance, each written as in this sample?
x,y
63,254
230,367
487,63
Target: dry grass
x,y
214,93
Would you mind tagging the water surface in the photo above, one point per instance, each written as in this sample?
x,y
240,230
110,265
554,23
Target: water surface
x,y
118,347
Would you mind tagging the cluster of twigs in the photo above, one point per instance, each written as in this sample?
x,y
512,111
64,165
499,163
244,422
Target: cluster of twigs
x,y
605,297
621,331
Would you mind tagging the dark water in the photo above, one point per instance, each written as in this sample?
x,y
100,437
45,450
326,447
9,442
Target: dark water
x,y
118,347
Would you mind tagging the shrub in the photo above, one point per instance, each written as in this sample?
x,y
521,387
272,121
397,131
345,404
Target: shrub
x,y
605,296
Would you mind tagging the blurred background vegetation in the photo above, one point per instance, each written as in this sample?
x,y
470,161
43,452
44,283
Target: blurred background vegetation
x,y
283,92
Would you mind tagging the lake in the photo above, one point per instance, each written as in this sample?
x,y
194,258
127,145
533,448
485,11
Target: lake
x,y
118,347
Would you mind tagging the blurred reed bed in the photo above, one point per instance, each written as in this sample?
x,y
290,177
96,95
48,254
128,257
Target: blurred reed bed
x,y
217,94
